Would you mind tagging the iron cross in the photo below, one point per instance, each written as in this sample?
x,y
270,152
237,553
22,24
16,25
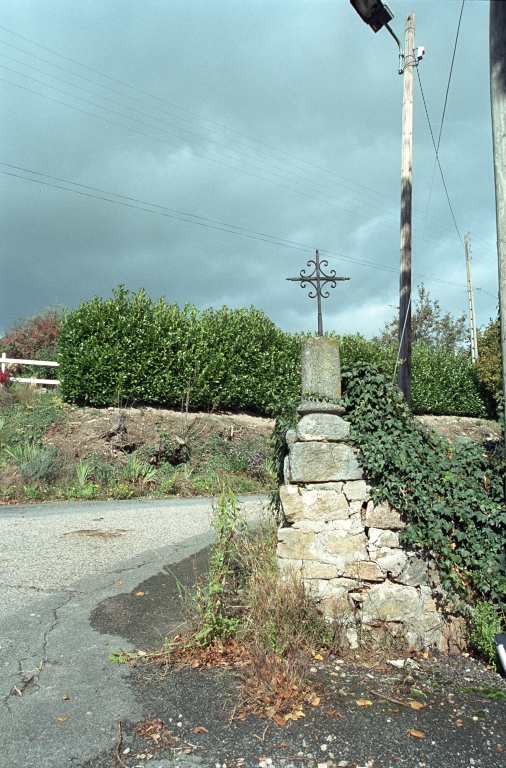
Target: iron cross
x,y
318,280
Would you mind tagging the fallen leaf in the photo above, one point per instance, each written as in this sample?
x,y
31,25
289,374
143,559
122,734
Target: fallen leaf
x,y
199,729
295,715
363,703
416,704
62,719
120,582
425,655
416,734
195,665
64,698
139,594
242,716
381,669
316,702
279,720
500,748
318,657
393,710
458,723
334,713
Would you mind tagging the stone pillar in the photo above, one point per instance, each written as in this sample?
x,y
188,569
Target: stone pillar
x,y
343,545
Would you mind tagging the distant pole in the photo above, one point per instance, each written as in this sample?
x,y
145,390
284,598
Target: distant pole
x,y
472,316
319,294
404,377
497,41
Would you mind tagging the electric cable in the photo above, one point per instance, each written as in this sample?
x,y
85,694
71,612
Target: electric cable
x,y
164,101
128,202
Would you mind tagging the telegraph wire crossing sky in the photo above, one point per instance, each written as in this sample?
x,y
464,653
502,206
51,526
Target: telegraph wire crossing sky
x,y
252,134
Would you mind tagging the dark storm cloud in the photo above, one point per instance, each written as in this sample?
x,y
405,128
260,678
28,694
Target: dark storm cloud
x,y
307,78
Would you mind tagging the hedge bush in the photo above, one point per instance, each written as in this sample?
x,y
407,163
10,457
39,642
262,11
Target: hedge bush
x,y
129,349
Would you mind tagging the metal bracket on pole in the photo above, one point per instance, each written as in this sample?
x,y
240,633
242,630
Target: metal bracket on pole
x,y
401,50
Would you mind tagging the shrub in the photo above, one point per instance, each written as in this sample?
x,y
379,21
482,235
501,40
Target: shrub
x,y
34,338
129,348
444,383
485,623
488,365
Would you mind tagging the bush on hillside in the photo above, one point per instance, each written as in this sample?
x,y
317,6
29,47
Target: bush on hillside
x,y
131,349
34,338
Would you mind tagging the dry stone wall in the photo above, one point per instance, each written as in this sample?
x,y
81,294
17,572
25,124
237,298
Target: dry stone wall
x,y
346,548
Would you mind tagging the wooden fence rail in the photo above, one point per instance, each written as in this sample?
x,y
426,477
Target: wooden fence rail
x,y
14,361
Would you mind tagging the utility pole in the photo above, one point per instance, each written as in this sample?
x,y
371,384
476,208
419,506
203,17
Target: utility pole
x,y
404,376
472,316
497,43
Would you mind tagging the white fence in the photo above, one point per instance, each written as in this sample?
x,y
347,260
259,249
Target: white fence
x,y
11,360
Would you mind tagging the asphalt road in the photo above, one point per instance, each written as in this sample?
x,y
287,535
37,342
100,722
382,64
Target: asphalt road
x,y
80,580
58,564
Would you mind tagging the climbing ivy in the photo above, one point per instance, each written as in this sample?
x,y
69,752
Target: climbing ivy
x,y
451,495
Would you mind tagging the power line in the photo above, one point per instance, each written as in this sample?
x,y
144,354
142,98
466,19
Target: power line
x,y
376,220
183,138
200,221
127,85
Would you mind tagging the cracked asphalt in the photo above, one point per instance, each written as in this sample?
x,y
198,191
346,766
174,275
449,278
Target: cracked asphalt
x,y
61,698
79,580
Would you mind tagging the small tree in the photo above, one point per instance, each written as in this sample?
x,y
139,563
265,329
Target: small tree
x,y
428,327
488,365
34,338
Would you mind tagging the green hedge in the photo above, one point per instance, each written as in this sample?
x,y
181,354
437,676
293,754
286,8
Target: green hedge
x,y
129,349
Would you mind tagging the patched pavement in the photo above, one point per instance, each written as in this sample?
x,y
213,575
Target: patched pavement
x,y
65,705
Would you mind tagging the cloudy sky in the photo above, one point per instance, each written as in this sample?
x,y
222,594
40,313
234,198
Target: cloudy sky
x,y
212,146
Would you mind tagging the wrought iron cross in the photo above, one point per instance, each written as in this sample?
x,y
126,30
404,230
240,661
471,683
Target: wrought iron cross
x,y
318,280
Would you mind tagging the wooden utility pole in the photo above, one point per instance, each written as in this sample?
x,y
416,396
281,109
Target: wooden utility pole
x,y
497,42
404,378
472,316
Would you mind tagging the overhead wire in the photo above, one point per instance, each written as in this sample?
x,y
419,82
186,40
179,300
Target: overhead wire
x,y
183,138
190,218
378,220
100,85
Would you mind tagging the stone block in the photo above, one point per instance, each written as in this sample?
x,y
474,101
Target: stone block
x,y
330,588
296,545
354,547
291,437
356,490
323,427
364,570
307,569
391,561
320,406
391,602
414,574
313,569
383,516
323,462
383,538
337,487
315,504
320,367
286,470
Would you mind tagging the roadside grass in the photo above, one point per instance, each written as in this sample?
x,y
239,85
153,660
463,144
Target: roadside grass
x,y
31,471
243,613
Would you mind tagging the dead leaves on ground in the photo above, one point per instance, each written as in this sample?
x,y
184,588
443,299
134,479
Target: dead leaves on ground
x,y
156,732
416,734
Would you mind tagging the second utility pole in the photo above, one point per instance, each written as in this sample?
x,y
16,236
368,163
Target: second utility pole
x,y
404,377
472,316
